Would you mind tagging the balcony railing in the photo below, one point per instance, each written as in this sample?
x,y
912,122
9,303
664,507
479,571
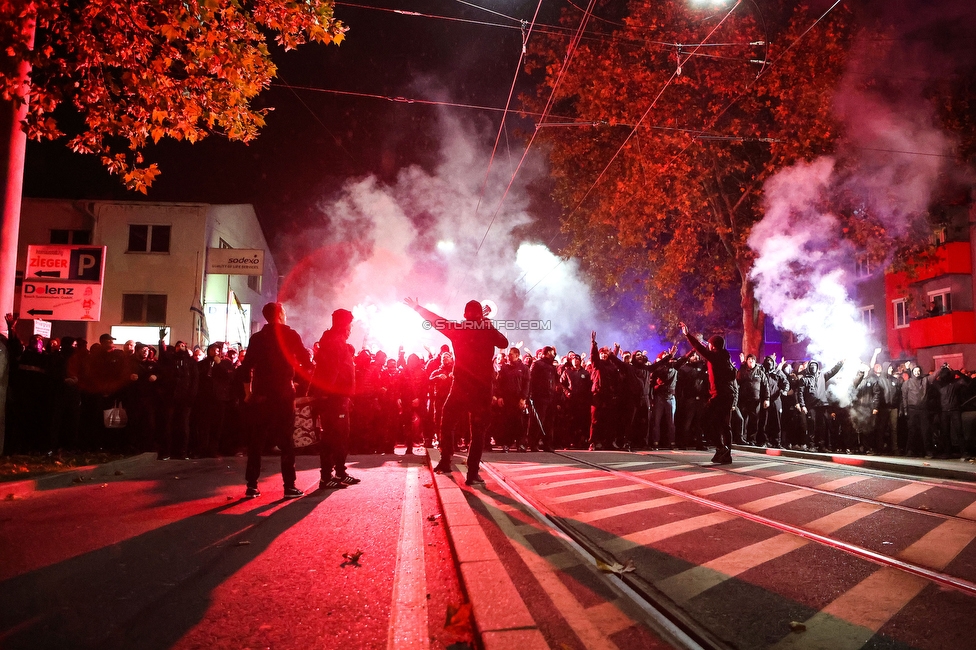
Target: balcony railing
x,y
952,258
955,327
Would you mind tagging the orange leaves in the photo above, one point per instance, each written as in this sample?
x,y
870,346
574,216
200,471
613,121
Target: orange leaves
x,y
141,70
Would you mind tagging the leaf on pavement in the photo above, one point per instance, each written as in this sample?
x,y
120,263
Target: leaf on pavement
x,y
243,542
797,627
616,567
433,518
458,619
352,559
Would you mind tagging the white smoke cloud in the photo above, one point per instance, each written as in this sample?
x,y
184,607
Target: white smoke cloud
x,y
419,236
893,154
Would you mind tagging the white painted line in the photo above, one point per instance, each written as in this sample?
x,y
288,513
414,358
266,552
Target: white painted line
x,y
521,467
904,493
842,482
756,466
687,477
626,509
562,472
785,476
577,481
775,500
836,520
969,512
727,487
941,545
658,533
620,489
408,620
633,463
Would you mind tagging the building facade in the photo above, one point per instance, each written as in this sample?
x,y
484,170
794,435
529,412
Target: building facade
x,y
155,267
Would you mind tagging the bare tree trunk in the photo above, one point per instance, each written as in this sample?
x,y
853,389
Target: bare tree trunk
x,y
753,321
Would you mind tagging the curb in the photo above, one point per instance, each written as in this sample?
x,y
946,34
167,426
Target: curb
x,y
15,489
898,465
501,618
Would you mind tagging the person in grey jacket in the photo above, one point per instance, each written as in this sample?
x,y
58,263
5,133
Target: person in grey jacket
x,y
914,395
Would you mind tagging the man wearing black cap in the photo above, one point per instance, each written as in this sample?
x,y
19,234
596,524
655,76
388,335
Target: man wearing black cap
x,y
474,340
267,371
333,384
723,392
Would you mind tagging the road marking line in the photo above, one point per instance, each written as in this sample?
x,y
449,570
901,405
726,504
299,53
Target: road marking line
x,y
608,618
852,619
657,470
941,544
686,585
626,509
775,500
904,493
969,512
408,620
620,489
686,477
658,533
576,481
558,473
527,466
844,517
795,473
634,463
752,468
842,482
715,489
560,595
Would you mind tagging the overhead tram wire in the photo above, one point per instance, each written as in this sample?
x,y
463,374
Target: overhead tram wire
x,y
717,117
501,126
631,135
567,60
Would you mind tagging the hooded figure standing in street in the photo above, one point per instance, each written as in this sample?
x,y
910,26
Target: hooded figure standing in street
x,y
474,340
812,402
723,392
334,384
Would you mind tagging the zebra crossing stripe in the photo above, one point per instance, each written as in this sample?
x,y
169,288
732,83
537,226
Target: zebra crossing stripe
x,y
969,512
775,500
626,509
937,548
580,496
727,487
904,493
836,520
563,472
842,482
673,529
850,621
576,481
785,476
688,584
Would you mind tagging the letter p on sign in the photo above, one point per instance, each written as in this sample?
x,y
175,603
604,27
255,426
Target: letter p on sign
x,y
86,264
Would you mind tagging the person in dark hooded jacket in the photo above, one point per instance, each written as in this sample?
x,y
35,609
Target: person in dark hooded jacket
x,y
812,400
914,403
753,394
886,423
953,386
723,392
771,416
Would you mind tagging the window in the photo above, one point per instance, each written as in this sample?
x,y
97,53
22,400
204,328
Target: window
x,y
78,237
867,317
940,302
151,239
901,313
254,283
862,267
222,244
144,308
939,236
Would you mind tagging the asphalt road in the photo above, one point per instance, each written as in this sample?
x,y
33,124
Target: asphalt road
x,y
170,556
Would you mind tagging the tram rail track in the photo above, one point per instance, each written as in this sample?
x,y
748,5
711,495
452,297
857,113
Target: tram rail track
x,y
941,578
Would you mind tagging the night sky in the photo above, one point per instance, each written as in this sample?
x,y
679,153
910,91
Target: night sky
x,y
315,140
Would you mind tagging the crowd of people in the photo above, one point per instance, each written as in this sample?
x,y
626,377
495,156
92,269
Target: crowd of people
x,y
184,402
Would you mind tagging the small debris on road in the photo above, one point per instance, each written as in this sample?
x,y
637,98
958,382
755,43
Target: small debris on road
x,y
458,619
797,627
243,542
10,497
433,518
616,567
119,472
352,559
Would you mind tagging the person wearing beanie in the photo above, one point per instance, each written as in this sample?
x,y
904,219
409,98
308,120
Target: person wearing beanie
x,y
474,340
723,392
333,384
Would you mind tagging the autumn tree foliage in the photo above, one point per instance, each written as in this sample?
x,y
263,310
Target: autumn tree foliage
x,y
663,129
143,70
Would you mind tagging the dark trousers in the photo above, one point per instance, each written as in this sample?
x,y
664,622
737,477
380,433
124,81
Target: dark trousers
x,y
333,413
541,423
750,421
690,414
272,419
663,420
468,409
718,416
602,420
818,434
174,428
918,427
771,421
